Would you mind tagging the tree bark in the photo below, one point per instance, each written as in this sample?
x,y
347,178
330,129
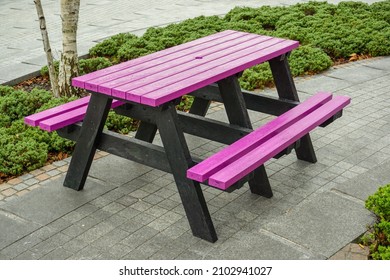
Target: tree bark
x,y
69,58
46,46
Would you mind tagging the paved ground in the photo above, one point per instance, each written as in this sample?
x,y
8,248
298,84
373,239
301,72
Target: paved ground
x,y
128,211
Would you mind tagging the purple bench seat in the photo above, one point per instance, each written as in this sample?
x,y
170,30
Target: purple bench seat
x,y
62,115
234,162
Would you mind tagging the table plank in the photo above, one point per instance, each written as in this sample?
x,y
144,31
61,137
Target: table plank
x,y
79,81
105,83
227,66
163,76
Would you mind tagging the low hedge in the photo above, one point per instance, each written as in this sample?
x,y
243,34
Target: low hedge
x,y
25,148
378,237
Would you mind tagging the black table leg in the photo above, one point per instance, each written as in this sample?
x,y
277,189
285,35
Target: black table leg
x,y
238,114
98,108
180,159
200,106
286,90
146,131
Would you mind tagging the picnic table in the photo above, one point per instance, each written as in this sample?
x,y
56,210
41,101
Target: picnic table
x,y
149,88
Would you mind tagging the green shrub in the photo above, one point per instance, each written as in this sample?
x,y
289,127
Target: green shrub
x,y
21,103
256,77
22,155
6,90
92,64
308,60
110,47
378,237
120,124
379,202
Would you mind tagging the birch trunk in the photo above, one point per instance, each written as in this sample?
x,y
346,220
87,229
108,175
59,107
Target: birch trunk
x,y
46,46
69,58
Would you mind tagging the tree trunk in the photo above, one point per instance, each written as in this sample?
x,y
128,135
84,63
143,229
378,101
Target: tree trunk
x,y
46,46
69,58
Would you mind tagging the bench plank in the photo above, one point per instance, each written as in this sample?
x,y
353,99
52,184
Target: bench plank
x,y
247,163
63,115
206,168
35,119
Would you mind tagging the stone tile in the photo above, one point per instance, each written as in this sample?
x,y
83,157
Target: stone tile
x,y
116,170
22,192
5,186
60,163
47,168
20,187
53,172
42,177
31,181
8,192
325,216
57,254
15,181
57,201
365,184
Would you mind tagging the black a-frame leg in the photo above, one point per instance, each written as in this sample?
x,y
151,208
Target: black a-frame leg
x,y
238,114
286,90
180,160
93,123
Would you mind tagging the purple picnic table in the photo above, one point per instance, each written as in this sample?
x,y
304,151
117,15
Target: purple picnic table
x,y
149,88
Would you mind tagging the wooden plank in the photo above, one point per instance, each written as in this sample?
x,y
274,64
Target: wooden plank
x,y
35,119
259,155
69,117
106,83
154,80
80,81
205,169
203,76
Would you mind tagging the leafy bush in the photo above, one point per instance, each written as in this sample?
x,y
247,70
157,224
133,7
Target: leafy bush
x,y
110,47
24,148
120,124
21,155
5,90
379,202
92,64
20,103
378,237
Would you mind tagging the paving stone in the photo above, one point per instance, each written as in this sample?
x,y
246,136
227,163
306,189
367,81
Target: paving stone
x,y
5,186
8,192
57,254
365,184
58,201
116,170
14,228
75,245
325,216
31,181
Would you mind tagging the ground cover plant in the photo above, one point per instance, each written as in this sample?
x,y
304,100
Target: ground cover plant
x,y
378,236
329,34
